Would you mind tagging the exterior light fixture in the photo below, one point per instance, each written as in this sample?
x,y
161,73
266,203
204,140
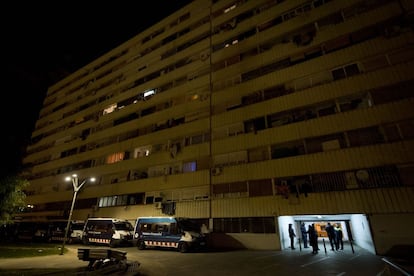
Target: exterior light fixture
x,y
76,187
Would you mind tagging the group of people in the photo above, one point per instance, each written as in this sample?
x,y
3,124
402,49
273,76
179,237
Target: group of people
x,y
310,236
335,236
313,237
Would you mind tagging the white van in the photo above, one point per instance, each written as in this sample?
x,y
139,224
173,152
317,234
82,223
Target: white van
x,y
168,232
57,231
108,231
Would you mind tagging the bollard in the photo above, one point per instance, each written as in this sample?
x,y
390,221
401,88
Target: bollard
x,y
352,246
324,246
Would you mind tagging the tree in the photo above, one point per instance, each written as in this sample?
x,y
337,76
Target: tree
x,y
12,197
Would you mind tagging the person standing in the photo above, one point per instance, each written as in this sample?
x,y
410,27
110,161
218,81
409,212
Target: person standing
x,y
313,238
304,235
292,236
331,235
338,237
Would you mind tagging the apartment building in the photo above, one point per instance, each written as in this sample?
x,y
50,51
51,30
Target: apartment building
x,y
244,115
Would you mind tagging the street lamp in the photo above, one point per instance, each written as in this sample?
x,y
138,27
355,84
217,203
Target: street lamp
x,y
76,187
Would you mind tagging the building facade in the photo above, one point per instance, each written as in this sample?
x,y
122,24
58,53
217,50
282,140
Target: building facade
x,y
245,115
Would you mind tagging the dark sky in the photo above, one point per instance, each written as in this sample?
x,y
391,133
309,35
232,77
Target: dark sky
x,y
44,41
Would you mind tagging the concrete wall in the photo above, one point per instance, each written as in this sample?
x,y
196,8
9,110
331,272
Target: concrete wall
x,y
392,229
361,232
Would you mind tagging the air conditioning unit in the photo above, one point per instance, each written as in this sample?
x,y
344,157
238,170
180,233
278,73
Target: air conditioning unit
x,y
158,205
216,171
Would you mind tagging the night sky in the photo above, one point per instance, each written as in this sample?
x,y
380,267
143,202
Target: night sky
x,y
44,41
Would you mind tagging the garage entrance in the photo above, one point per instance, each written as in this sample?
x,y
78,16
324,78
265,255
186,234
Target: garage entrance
x,y
355,228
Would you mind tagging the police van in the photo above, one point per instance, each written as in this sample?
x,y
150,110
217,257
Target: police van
x,y
108,231
57,230
168,232
31,231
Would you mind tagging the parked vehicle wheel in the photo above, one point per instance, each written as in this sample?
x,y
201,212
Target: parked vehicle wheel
x,y
141,245
183,247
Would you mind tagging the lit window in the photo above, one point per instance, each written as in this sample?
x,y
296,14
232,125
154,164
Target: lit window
x,y
142,151
229,9
109,109
148,94
194,97
115,157
190,167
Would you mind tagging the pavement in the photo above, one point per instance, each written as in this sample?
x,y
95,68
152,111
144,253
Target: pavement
x,y
66,264
69,263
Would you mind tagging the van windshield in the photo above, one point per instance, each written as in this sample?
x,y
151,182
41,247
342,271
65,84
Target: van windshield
x,y
123,226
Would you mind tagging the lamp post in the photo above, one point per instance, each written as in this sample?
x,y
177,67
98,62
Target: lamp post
x,y
76,187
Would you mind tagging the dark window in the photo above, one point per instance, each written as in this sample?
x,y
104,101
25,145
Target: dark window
x,y
338,74
365,136
352,70
244,225
407,129
262,187
255,125
220,188
134,199
392,133
237,187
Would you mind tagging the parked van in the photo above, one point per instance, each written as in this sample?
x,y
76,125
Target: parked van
x,y
57,231
108,231
168,232
31,231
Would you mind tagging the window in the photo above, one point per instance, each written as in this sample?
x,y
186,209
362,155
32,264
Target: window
x,y
391,132
148,94
115,157
133,199
109,109
190,167
221,188
238,187
365,136
338,74
352,70
346,71
255,125
287,149
262,187
258,154
244,225
391,93
407,129
142,151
